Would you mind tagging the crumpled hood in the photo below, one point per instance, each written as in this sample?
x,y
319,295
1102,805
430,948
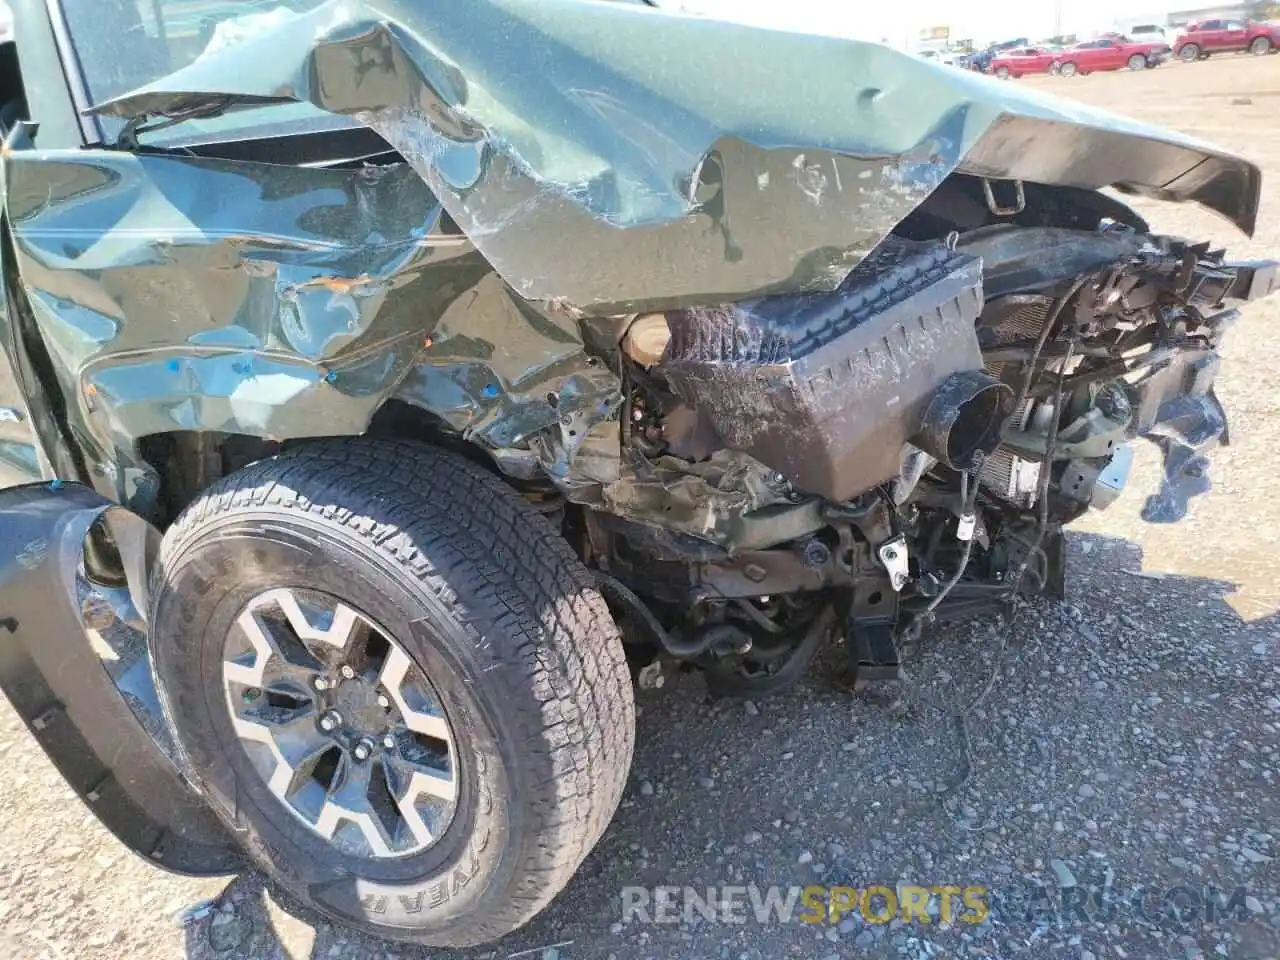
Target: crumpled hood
x,y
608,154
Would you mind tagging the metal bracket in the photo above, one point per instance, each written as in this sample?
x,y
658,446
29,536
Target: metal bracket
x,y
1019,199
895,557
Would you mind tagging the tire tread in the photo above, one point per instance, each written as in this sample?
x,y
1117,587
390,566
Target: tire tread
x,y
517,589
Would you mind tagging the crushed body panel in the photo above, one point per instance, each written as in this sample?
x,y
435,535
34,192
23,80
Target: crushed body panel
x,y
557,174
277,302
645,138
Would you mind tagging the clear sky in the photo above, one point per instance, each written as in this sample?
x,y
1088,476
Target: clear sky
x,y
902,22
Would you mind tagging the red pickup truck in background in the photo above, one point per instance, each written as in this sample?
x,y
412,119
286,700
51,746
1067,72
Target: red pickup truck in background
x,y
1199,40
1110,53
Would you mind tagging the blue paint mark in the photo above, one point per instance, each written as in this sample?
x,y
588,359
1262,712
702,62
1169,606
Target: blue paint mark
x,y
330,377
490,391
55,484
174,366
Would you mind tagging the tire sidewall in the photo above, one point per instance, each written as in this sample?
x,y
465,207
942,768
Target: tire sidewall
x,y
205,588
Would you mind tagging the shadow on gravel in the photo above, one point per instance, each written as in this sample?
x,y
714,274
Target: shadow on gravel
x,y
1119,734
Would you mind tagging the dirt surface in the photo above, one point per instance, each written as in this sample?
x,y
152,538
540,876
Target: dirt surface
x,y
1130,736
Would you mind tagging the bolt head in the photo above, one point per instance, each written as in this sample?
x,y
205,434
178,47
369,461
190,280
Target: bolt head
x,y
320,683
384,701
348,673
389,742
330,721
362,750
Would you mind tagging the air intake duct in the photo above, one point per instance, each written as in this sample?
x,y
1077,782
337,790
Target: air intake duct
x,y
963,420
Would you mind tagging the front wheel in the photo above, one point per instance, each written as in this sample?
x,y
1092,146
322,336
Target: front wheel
x,y
1002,73
1137,62
1189,53
396,684
1067,69
1261,46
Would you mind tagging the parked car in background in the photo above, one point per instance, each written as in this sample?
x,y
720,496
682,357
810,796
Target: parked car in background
x,y
1110,53
1003,45
946,57
1200,40
1149,33
1021,61
981,60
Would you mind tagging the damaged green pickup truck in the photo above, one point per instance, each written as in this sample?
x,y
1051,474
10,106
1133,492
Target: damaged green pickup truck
x,y
388,385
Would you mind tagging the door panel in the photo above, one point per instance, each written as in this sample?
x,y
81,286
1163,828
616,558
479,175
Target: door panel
x,y
1235,36
1112,57
1213,37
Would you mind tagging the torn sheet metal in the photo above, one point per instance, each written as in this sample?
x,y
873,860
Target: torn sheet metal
x,y
614,155
182,293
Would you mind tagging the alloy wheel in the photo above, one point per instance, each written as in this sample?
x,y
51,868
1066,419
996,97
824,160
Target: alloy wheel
x,y
343,726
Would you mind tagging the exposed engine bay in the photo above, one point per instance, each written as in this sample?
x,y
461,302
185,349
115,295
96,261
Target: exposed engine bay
x,y
904,448
775,373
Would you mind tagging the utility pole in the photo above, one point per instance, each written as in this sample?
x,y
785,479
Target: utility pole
x,y
1057,18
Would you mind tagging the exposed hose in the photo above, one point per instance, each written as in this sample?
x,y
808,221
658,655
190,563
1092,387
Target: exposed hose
x,y
1050,322
690,649
1046,468
969,499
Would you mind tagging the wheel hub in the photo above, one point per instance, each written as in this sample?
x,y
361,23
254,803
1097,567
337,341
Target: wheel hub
x,y
341,724
356,701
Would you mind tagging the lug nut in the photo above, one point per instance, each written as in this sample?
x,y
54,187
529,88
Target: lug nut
x,y
348,673
363,749
320,683
389,742
330,721
384,701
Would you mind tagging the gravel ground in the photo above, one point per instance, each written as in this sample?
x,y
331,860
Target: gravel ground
x,y
1130,737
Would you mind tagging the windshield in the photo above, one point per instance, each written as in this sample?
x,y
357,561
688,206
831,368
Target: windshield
x,y
124,44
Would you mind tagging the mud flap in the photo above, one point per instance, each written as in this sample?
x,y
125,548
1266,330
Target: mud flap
x,y
74,664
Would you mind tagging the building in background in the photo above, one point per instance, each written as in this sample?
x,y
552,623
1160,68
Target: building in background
x,y
1226,11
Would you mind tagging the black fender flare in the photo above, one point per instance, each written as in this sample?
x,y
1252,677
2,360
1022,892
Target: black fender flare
x,y
91,702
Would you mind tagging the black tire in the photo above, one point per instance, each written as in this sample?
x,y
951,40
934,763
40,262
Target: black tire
x,y
1137,62
1067,69
1260,47
1189,52
489,600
